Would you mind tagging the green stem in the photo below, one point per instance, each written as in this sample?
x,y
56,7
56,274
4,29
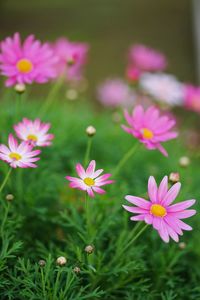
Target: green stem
x,y
51,96
136,236
17,106
87,216
88,149
125,159
43,284
5,180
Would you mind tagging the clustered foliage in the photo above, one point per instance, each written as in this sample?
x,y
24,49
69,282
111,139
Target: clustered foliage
x,y
46,219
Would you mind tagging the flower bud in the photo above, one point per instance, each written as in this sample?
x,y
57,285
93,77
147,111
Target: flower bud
x,y
174,177
61,261
71,94
184,161
182,245
77,270
9,197
42,262
90,130
89,249
20,88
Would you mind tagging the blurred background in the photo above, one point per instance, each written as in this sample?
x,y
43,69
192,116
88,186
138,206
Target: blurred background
x,y
110,27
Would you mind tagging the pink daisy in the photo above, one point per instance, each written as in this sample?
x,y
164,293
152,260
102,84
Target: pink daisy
x,y
115,92
89,180
164,217
34,132
147,59
150,128
192,97
20,155
28,62
72,56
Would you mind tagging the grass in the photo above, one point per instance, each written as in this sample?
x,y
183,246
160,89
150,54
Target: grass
x,y
46,219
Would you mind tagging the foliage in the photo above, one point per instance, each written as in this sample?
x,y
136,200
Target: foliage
x,y
46,219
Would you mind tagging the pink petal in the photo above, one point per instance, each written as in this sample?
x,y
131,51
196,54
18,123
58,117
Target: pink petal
x,y
98,190
136,210
90,192
162,150
157,223
152,189
12,143
172,233
181,206
138,218
173,223
91,168
163,232
171,194
140,202
148,219
184,214
183,225
80,171
162,190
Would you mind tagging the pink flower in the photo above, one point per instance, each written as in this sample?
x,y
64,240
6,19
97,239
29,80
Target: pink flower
x,y
20,155
89,180
35,132
115,92
147,59
159,212
26,63
192,97
150,128
133,73
71,58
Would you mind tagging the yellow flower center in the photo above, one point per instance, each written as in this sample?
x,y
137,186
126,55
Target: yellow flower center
x,y
15,156
32,137
24,65
89,181
158,210
147,134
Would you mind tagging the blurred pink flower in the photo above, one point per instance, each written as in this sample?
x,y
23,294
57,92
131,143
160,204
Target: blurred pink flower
x,y
89,180
147,59
162,87
20,155
72,57
150,128
159,212
115,92
35,132
192,97
26,63
133,73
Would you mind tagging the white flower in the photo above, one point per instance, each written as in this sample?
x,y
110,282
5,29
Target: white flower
x,y
163,87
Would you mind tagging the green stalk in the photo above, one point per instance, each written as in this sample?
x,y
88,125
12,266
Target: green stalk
x,y
52,95
87,216
124,159
5,180
136,236
88,150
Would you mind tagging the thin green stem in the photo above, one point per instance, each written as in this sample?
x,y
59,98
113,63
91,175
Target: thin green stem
x,y
125,159
87,216
17,106
136,237
43,284
51,96
7,207
87,153
5,180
